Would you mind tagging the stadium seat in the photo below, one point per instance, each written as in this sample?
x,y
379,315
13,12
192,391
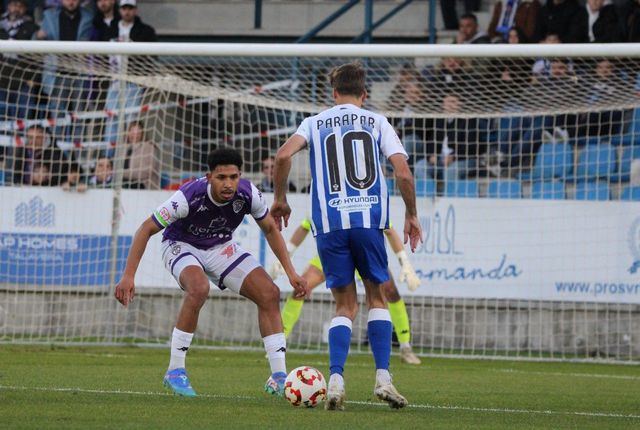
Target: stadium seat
x,y
425,188
595,161
629,153
592,191
548,190
504,190
462,188
631,193
165,180
631,136
553,160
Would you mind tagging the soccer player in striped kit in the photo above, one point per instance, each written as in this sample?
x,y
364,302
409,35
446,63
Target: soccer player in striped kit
x,y
349,212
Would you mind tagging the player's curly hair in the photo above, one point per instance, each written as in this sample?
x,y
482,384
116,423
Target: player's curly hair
x,y
222,157
348,79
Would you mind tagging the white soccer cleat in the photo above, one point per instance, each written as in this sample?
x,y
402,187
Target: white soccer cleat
x,y
335,396
389,394
408,356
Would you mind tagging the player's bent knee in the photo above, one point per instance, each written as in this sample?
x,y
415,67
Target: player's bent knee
x,y
199,292
195,283
259,288
390,292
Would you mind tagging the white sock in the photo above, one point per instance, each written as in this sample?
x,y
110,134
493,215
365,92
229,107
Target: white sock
x,y
337,379
383,377
275,345
404,345
180,342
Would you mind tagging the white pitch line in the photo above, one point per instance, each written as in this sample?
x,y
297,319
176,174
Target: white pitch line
x,y
577,375
352,402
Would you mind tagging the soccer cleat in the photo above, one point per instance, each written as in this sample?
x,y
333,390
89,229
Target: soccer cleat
x,y
275,384
178,381
408,356
389,394
335,397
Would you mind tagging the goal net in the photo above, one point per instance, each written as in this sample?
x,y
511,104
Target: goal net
x,y
526,159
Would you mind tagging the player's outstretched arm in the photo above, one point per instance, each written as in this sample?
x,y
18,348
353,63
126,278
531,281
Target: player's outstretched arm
x,y
408,273
125,290
406,185
280,209
279,248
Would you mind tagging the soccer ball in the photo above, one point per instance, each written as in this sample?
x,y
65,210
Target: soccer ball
x,y
305,386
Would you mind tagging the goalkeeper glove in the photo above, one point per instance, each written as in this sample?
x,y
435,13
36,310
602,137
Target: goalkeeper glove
x,y
276,269
408,273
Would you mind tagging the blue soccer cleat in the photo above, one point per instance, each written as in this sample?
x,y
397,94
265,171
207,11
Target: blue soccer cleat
x,y
178,382
275,384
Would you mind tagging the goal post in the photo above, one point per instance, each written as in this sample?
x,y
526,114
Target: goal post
x,y
526,160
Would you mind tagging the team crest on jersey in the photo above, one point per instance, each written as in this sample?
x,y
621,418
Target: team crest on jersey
x,y
238,205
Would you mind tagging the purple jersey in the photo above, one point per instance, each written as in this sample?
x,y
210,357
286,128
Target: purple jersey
x,y
191,215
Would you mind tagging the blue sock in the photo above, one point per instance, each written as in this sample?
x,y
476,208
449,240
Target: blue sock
x,y
339,340
379,329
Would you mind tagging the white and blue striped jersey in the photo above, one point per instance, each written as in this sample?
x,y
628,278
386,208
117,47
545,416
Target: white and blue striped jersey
x,y
348,188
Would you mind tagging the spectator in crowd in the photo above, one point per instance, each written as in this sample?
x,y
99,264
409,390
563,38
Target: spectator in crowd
x,y
40,175
141,166
600,21
18,86
38,150
75,180
457,143
632,21
468,31
67,22
129,28
450,14
603,87
407,73
508,14
411,129
542,66
102,173
106,14
562,17
514,73
451,74
266,184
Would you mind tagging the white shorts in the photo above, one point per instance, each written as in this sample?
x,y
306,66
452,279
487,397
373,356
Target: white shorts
x,y
227,265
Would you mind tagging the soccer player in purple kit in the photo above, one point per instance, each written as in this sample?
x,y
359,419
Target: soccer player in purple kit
x,y
197,246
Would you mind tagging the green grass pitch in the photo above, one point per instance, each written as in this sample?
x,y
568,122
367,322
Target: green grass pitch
x,y
121,388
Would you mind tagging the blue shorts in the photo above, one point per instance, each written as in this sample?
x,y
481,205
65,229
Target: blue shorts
x,y
342,252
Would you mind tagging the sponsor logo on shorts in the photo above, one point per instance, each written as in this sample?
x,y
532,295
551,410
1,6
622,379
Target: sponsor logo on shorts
x,y
229,251
238,205
175,249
